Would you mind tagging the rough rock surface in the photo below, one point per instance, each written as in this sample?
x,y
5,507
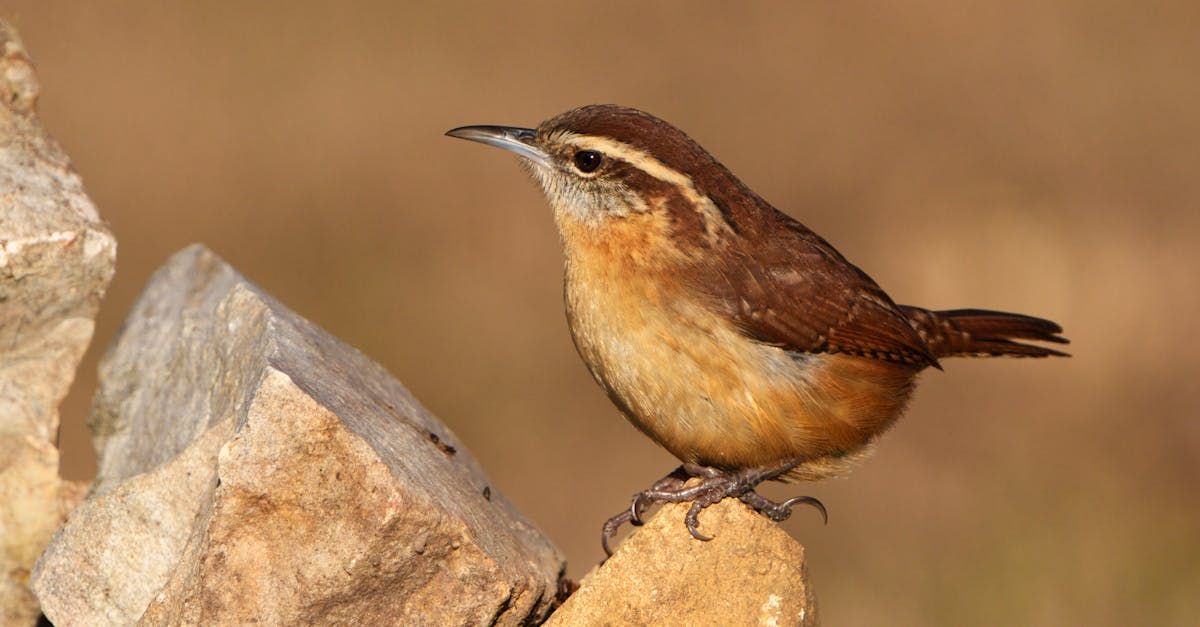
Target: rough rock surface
x,y
751,573
56,260
254,469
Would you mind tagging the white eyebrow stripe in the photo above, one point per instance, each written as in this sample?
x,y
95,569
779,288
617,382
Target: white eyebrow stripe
x,y
714,221
633,156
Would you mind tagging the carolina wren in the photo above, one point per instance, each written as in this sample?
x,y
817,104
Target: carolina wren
x,y
725,330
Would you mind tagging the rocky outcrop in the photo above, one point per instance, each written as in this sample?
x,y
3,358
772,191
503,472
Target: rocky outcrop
x,y
56,260
255,469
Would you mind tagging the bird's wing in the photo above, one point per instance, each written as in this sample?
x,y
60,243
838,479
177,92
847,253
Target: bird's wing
x,y
798,293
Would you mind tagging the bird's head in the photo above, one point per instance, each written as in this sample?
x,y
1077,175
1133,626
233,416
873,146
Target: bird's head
x,y
601,163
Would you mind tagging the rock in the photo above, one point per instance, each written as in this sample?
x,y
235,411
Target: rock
x,y
255,469
56,260
751,572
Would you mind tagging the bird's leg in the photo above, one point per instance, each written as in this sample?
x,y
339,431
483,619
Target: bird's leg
x,y
715,485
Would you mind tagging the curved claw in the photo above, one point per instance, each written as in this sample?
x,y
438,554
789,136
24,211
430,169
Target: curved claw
x,y
807,500
692,520
635,516
610,529
608,552
636,508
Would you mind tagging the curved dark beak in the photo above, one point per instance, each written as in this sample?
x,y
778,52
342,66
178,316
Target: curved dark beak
x,y
510,138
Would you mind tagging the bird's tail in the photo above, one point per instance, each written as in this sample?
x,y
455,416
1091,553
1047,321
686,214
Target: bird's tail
x,y
982,333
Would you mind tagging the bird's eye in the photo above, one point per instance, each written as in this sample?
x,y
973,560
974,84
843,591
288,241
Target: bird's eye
x,y
588,160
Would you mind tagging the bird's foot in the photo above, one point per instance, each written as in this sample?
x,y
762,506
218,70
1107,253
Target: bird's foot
x,y
715,485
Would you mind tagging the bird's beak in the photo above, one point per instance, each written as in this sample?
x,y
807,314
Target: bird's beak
x,y
510,138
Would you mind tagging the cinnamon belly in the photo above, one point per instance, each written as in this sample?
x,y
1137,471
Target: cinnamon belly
x,y
695,384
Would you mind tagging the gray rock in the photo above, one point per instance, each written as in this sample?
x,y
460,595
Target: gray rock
x,y
255,469
56,260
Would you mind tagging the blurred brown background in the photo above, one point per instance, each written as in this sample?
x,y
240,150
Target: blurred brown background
x,y
1040,157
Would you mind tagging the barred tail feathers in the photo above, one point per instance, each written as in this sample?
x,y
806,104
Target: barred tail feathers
x,y
983,333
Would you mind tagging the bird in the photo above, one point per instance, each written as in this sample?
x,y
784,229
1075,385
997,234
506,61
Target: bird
x,y
724,329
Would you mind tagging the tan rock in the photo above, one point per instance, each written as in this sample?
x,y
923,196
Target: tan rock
x,y
255,469
751,573
120,546
56,260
